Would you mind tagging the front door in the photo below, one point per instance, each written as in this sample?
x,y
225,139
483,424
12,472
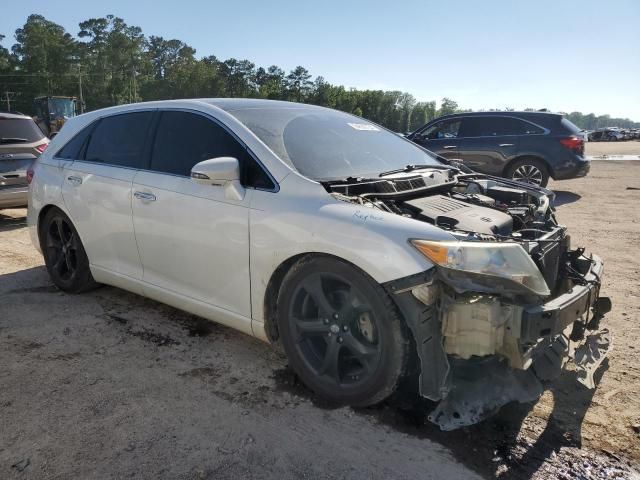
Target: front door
x,y
97,189
193,240
441,138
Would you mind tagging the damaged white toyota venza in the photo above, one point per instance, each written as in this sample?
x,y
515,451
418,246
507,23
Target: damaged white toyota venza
x,y
369,258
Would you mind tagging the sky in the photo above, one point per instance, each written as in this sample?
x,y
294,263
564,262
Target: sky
x,y
564,55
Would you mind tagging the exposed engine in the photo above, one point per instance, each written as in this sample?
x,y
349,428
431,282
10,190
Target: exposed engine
x,y
471,207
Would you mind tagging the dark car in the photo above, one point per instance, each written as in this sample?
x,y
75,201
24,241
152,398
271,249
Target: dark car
x,y
21,142
524,146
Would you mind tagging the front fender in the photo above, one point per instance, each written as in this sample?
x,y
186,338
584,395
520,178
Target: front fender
x,y
303,218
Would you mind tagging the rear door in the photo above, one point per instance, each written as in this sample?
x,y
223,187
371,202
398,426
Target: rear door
x,y
193,240
97,189
487,143
441,137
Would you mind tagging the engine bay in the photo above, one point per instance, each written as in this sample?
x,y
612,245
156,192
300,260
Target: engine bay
x,y
472,207
468,205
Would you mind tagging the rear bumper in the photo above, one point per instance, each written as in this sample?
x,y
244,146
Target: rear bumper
x,y
574,169
14,197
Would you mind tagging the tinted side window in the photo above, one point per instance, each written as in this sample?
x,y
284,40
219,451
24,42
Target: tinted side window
x,y
73,149
484,127
184,139
23,129
493,126
119,140
520,127
444,129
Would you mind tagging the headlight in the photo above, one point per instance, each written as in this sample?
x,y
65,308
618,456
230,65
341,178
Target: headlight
x,y
498,260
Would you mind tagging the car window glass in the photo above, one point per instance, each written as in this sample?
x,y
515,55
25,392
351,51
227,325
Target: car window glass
x,y
23,130
484,127
183,139
521,127
120,139
72,149
444,129
493,126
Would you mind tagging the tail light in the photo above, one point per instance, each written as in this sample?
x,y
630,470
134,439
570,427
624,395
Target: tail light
x,y
42,147
574,143
29,175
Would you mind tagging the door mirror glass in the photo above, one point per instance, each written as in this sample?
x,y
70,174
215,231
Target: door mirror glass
x,y
222,171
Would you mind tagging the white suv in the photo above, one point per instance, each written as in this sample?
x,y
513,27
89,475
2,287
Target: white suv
x,y
369,258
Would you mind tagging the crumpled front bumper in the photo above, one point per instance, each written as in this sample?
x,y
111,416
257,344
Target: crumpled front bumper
x,y
471,386
554,316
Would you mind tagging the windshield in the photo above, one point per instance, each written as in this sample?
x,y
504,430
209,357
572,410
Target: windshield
x,y
61,108
325,144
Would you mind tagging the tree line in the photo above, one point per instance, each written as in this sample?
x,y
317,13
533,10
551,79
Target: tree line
x,y
116,63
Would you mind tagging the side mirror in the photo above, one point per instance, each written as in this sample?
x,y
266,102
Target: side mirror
x,y
221,171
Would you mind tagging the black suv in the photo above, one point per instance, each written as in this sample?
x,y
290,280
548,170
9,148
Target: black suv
x,y
524,146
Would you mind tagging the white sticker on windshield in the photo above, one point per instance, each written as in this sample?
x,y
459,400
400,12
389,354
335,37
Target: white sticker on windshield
x,y
364,126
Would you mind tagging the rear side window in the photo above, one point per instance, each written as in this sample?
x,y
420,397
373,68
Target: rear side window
x,y
120,139
494,126
522,127
183,139
19,130
73,149
569,126
485,127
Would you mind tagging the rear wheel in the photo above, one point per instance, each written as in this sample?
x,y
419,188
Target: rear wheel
x,y
64,254
341,332
529,170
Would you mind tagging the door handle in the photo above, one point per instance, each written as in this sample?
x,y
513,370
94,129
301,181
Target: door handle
x,y
450,146
145,196
74,179
506,145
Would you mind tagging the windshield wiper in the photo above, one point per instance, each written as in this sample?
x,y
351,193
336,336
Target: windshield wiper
x,y
411,168
13,140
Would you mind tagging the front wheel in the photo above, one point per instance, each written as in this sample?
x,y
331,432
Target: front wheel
x,y
64,254
341,332
529,170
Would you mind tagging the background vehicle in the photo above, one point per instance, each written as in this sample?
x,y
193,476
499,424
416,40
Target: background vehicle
x,y
606,135
21,142
524,146
53,112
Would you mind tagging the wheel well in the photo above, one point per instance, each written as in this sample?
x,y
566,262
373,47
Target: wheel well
x,y
272,291
43,212
523,157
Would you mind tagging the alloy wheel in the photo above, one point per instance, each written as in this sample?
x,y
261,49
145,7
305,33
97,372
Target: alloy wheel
x,y
336,330
528,174
62,248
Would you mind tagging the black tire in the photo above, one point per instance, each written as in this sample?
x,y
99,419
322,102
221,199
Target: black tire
x,y
341,332
64,254
529,170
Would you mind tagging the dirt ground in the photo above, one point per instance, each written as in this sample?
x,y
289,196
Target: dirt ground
x,y
111,385
630,147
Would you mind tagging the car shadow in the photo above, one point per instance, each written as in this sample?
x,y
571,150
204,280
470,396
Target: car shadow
x,y
563,197
9,222
513,443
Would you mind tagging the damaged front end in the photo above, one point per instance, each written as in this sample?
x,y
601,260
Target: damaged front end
x,y
479,351
508,303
